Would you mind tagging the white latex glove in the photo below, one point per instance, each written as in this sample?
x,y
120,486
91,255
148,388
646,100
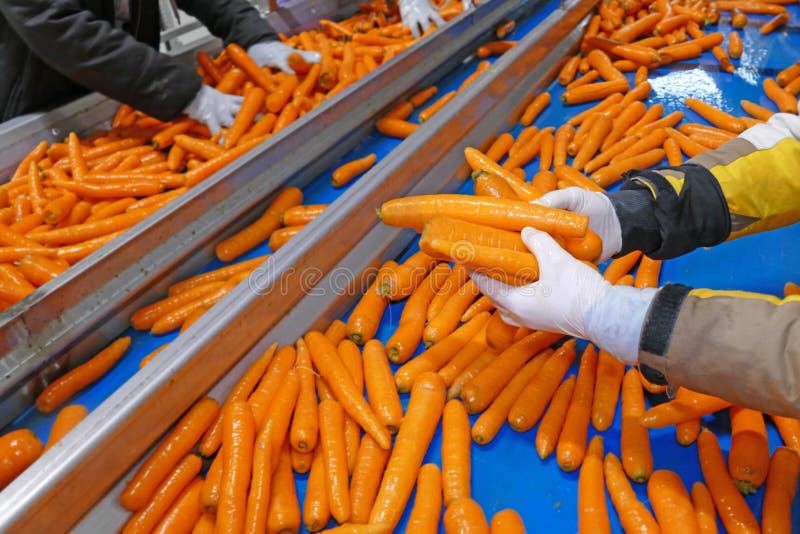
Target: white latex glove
x,y
213,108
602,217
275,54
418,14
572,298
467,5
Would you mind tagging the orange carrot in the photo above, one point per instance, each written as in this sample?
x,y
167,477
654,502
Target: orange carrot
x,y
481,390
686,432
633,515
327,362
284,510
789,429
592,512
593,91
549,430
784,470
238,436
242,59
395,127
427,113
572,439
479,161
366,316
568,71
735,45
344,174
636,455
599,131
774,23
382,394
419,99
715,116
422,417
465,515
685,406
458,276
532,401
455,452
703,505
184,512
316,508
629,116
439,354
731,506
748,459
64,387
19,449
671,503
448,318
68,417
146,519
534,108
331,426
427,508
612,173
464,357
305,422
367,472
786,101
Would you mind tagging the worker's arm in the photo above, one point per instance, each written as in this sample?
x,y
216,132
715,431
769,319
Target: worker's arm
x,y
102,58
233,21
748,185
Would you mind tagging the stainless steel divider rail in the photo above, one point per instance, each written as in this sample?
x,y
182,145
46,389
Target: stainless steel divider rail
x,y
78,312
207,358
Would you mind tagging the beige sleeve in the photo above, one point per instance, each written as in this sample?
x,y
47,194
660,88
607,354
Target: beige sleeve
x,y
742,347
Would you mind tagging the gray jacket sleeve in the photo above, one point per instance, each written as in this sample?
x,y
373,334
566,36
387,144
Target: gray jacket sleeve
x,y
98,56
233,21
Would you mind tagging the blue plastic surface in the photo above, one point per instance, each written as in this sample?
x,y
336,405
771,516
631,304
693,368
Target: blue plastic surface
x,y
507,473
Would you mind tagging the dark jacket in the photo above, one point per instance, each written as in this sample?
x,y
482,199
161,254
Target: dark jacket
x,y
52,51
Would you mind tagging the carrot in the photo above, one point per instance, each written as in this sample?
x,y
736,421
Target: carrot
x,y
592,512
748,459
38,269
18,449
274,423
316,508
534,108
793,87
500,147
491,185
455,452
238,436
465,515
479,161
427,509
643,26
221,274
572,439
76,161
507,214
599,131
635,452
494,48
381,391
465,356
344,174
367,472
630,115
671,503
590,77
184,512
64,387
593,91
175,446
403,280
418,99
479,393
499,335
735,45
261,398
483,304
686,432
301,461
68,417
241,59
305,423
568,71
685,406
599,61
532,401
395,127
552,422
144,318
146,519
258,495
789,429
366,316
439,354
703,505
251,106
204,525
402,111
427,113
284,510
331,425
249,237
784,470
715,116
786,101
612,173
506,522
576,178
458,276
673,152
774,23
209,493
328,363
422,417
755,110
633,515
734,512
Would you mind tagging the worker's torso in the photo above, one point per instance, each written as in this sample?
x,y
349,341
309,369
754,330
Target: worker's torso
x,y
29,84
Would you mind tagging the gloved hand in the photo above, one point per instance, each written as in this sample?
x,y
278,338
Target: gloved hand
x,y
466,5
213,108
602,216
572,298
418,14
275,54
